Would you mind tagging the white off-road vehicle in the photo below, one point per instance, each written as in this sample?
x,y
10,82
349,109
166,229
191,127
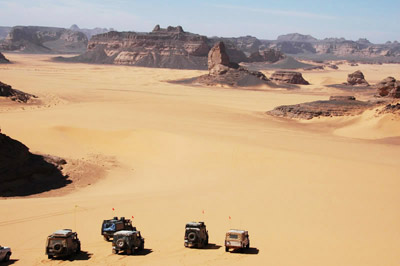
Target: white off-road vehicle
x,y
237,239
5,253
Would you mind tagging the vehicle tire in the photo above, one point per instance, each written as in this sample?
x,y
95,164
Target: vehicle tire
x,y
248,245
7,257
192,236
226,249
78,249
141,247
120,243
129,251
106,238
49,256
57,247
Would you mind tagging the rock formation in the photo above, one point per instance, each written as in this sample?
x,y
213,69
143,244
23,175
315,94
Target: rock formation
x,y
165,48
224,72
289,77
389,87
357,79
32,39
23,173
335,106
268,55
90,32
15,95
3,59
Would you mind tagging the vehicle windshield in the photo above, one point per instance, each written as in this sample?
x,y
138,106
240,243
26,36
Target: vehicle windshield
x,y
233,236
109,226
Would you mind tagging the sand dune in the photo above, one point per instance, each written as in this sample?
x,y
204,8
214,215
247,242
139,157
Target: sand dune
x,y
323,192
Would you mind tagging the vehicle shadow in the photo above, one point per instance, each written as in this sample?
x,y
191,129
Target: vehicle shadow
x,y
10,262
249,251
143,252
212,246
83,255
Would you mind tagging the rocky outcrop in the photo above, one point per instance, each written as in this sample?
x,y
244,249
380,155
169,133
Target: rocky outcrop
x,y
389,87
90,32
391,109
23,173
223,72
296,37
289,77
267,55
335,106
15,95
164,48
32,39
357,79
3,59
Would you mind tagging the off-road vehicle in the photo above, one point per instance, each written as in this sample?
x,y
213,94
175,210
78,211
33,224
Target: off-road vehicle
x,y
109,227
5,253
196,235
237,239
128,241
62,243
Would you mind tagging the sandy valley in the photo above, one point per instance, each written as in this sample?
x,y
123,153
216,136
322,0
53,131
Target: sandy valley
x,y
316,192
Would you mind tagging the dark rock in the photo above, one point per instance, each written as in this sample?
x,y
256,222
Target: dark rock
x,y
333,66
391,109
289,77
23,173
15,95
342,98
357,78
3,59
389,87
336,106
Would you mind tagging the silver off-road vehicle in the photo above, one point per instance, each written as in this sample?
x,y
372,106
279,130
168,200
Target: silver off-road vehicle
x,y
109,227
196,235
5,253
128,241
237,239
62,243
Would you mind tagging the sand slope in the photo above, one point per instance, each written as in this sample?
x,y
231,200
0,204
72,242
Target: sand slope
x,y
307,195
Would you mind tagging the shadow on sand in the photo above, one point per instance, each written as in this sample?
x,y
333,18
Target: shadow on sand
x,y
249,251
83,255
10,262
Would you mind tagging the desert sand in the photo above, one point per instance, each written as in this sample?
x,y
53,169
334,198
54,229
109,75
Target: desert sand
x,y
320,192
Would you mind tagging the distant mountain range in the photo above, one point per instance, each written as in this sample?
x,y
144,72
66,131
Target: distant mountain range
x,y
147,48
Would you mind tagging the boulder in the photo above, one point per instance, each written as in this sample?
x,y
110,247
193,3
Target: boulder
x,y
357,78
15,95
389,87
289,77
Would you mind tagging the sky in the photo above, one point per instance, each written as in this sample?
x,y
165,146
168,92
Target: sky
x,y
378,21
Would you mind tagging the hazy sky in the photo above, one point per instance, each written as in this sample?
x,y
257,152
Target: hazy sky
x,y
376,20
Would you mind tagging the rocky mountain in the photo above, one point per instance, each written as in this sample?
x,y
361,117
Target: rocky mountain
x,y
4,32
33,39
299,44
3,59
296,37
23,173
166,48
90,32
170,47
